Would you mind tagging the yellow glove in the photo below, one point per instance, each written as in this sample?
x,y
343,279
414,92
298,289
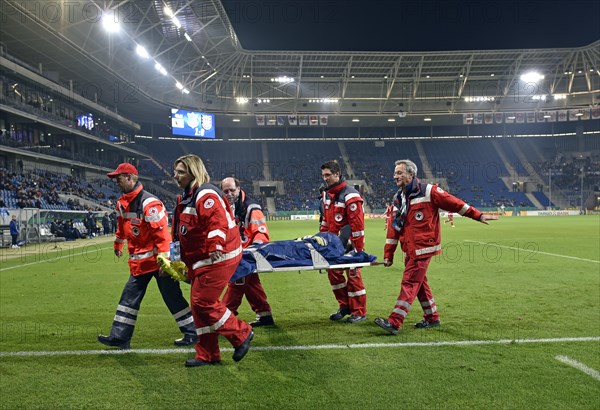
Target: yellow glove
x,y
177,269
320,240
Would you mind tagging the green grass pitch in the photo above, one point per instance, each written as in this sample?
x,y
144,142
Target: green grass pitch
x,y
512,297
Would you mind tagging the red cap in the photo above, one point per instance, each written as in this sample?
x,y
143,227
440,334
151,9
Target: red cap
x,y
123,168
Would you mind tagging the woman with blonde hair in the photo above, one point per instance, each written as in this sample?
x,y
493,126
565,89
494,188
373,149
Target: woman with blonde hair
x,y
210,246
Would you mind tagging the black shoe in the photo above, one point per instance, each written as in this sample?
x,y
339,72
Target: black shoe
x,y
263,321
240,351
340,314
186,340
111,341
426,324
196,363
355,319
386,325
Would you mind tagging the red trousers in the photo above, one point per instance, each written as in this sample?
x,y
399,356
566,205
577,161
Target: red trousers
x,y
350,294
211,317
414,284
255,294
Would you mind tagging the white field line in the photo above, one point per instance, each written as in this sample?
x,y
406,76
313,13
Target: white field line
x,y
534,252
579,366
309,347
71,254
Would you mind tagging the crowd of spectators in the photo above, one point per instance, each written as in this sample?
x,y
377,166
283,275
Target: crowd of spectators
x,y
567,169
41,189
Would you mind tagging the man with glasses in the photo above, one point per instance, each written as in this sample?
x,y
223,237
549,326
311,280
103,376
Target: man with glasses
x,y
342,206
253,230
142,222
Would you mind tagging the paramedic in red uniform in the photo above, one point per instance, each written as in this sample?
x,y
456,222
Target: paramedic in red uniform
x,y
211,250
416,224
142,222
343,205
253,230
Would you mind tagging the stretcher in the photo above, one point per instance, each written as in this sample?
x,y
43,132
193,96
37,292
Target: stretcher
x,y
316,252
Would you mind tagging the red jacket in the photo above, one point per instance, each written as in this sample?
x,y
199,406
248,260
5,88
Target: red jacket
x,y
203,223
343,205
251,221
142,222
420,237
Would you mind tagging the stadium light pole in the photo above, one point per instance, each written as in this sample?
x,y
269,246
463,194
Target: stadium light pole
x,y
582,188
550,188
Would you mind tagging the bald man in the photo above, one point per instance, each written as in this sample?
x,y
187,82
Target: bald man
x,y
253,230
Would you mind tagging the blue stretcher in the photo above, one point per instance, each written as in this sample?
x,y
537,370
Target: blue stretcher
x,y
321,251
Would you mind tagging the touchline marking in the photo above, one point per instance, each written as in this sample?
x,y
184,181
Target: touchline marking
x,y
72,255
534,252
309,347
579,366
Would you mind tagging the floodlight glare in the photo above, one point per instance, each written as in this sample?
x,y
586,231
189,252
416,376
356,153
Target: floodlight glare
x,y
141,51
109,23
187,36
160,69
168,11
176,22
532,77
178,85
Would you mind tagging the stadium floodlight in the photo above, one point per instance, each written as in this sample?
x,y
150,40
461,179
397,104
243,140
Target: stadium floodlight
x,y
142,52
355,120
110,23
176,21
560,96
532,77
427,119
160,69
479,98
241,100
178,85
187,36
185,91
168,11
324,100
282,79
236,120
391,120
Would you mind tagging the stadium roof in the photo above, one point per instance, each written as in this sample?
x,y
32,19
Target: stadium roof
x,y
68,42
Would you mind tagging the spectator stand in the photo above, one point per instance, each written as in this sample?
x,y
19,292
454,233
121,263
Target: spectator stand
x,y
50,226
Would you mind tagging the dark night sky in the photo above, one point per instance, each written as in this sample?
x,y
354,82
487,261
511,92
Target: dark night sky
x,y
413,25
